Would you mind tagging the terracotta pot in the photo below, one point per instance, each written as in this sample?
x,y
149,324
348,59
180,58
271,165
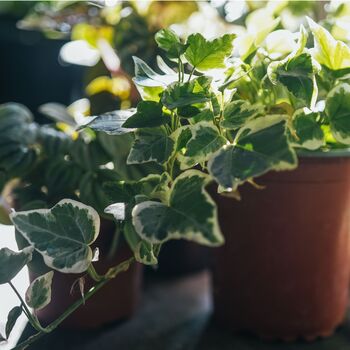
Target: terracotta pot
x,y
116,301
284,270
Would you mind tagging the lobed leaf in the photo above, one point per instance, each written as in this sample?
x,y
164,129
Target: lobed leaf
x,y
309,134
11,263
332,53
260,146
190,214
184,94
149,114
142,249
204,54
151,145
338,111
237,113
170,43
62,234
204,142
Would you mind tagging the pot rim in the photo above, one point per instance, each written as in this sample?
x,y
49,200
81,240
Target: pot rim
x,y
333,153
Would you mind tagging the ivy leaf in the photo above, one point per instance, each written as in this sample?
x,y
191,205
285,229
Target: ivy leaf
x,y
204,142
184,94
297,71
261,145
12,318
110,123
142,249
298,75
309,134
170,43
338,112
334,54
12,262
151,145
149,114
38,294
190,214
237,113
62,234
204,55
149,83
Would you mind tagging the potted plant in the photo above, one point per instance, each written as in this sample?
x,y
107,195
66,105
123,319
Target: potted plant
x,y
231,120
213,116
114,34
40,165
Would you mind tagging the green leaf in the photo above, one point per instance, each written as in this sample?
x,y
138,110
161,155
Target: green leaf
x,y
184,94
204,115
261,145
237,113
149,114
54,142
309,134
62,235
38,294
203,54
338,112
334,54
151,145
190,214
143,250
12,318
298,75
146,76
11,262
110,123
170,43
204,142
18,134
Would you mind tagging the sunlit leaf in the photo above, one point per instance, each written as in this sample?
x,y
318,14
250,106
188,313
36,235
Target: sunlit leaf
x,y
261,145
151,145
204,54
149,114
190,214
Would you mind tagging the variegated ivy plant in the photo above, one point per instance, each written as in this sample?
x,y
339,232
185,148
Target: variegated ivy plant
x,y
217,112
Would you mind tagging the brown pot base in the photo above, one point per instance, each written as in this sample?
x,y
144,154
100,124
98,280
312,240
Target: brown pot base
x,y
284,270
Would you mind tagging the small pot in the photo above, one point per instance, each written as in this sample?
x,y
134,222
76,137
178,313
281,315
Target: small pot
x,y
284,270
116,301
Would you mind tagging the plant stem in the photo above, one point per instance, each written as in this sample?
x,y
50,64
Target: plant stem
x,y
26,311
94,274
117,269
191,73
